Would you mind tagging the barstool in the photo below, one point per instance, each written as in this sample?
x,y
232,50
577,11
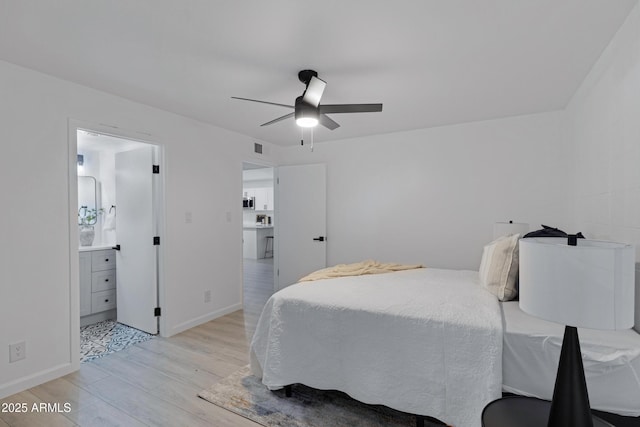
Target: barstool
x,y
268,247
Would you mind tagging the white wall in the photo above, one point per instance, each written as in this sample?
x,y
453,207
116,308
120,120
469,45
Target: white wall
x,y
604,130
107,196
38,268
432,195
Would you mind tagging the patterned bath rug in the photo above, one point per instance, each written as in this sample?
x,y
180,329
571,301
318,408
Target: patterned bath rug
x,y
245,395
109,336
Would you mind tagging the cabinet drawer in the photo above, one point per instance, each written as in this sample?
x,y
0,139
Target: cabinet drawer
x,y
103,260
101,301
103,280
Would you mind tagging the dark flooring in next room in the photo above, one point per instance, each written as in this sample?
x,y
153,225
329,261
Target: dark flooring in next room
x,y
257,288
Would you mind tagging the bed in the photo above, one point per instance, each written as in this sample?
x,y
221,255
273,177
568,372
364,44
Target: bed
x,y
445,351
437,353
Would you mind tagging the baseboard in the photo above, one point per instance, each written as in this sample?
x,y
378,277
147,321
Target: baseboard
x,y
24,383
203,319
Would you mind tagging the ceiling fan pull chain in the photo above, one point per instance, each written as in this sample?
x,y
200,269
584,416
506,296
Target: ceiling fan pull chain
x,y
312,140
301,136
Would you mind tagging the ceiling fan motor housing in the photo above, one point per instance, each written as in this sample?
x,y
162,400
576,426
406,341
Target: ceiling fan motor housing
x,y
305,76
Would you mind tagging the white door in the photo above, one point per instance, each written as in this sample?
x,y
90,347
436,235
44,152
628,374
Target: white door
x,y
137,286
300,222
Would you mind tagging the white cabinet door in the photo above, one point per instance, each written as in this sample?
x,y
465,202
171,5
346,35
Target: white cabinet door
x,y
269,196
249,244
261,199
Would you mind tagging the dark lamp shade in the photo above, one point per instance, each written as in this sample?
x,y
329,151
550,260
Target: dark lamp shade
x,y
590,285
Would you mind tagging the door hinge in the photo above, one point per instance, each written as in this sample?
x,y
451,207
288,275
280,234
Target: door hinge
x,y
156,240
156,312
156,168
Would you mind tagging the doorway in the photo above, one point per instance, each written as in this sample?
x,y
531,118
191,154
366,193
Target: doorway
x,y
257,239
119,214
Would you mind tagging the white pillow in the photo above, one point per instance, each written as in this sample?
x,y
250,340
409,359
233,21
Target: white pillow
x,y
499,267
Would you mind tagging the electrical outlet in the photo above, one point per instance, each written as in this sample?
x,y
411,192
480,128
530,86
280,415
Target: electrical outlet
x,y
17,351
207,296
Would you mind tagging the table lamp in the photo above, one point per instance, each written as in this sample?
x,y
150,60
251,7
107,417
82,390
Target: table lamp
x,y
579,283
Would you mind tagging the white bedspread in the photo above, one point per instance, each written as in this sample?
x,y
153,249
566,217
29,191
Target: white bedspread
x,y
424,341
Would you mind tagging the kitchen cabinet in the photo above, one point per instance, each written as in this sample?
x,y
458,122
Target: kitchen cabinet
x,y
263,198
254,240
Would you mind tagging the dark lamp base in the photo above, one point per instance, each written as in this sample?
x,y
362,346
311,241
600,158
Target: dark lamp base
x,y
570,404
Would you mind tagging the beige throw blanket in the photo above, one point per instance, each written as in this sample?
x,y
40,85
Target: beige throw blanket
x,y
358,269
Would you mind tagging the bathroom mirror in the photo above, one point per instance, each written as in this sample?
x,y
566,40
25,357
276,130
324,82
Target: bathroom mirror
x,y
86,198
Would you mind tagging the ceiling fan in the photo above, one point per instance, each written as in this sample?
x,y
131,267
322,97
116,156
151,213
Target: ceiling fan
x,y
308,112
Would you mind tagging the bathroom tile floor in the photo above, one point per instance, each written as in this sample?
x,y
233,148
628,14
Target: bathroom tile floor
x,y
109,336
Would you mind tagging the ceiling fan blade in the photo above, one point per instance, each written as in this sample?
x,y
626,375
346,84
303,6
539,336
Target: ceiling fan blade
x,y
263,102
350,108
286,116
327,122
314,91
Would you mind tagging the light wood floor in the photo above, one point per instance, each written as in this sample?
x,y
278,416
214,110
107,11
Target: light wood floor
x,y
156,383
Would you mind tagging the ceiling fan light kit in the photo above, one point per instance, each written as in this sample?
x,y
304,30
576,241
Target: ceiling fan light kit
x,y
308,112
306,115
307,122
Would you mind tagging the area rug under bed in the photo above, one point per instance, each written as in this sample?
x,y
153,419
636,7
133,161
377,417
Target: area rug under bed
x,y
245,395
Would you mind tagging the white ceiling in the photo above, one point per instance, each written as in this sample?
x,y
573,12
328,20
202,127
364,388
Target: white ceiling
x,y
431,62
89,141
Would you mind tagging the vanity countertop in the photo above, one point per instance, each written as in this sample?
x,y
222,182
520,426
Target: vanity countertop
x,y
256,226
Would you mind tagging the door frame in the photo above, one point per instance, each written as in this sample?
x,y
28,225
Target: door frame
x,y
265,164
159,200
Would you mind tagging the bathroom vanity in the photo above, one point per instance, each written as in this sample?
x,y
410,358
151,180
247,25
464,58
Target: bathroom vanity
x,y
97,284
